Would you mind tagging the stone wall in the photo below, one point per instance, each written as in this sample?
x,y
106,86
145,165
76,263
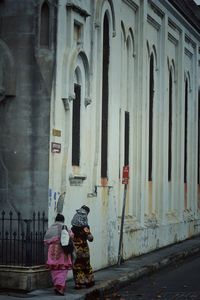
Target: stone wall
x,y
26,77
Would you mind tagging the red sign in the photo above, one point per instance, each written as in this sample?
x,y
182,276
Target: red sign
x,y
125,175
55,147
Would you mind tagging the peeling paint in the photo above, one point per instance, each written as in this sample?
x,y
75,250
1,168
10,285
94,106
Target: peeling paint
x,y
150,204
185,196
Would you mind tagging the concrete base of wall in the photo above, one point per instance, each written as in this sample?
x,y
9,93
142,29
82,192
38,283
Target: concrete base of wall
x,y
154,236
24,278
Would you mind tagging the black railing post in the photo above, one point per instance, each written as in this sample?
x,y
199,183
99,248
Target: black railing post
x,y
10,240
28,242
34,246
18,236
14,249
43,222
42,236
2,236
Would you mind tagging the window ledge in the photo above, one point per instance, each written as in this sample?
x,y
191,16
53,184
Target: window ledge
x,y
77,179
82,12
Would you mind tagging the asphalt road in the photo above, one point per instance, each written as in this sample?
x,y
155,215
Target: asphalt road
x,y
178,282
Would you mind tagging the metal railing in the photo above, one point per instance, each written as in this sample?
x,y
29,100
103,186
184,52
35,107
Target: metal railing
x,y
21,240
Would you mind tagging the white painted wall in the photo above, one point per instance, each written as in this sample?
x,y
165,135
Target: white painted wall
x,y
155,213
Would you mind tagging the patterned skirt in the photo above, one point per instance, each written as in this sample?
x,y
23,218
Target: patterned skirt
x,y
82,270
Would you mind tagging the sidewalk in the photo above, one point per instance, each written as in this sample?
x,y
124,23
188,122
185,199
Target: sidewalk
x,y
118,276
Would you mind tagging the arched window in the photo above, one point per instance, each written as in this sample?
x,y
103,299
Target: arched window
x,y
44,25
126,138
105,95
170,128
198,153
76,112
151,95
185,131
128,95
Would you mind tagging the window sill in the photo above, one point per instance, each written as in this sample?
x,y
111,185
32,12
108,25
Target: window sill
x,y
77,179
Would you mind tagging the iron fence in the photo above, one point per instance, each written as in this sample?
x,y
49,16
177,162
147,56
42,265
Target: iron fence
x,y
21,240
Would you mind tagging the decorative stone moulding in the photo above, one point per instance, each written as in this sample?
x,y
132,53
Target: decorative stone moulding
x,y
77,180
88,101
66,102
82,12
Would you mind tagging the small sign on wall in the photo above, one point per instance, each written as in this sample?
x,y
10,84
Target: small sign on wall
x,y
55,147
56,132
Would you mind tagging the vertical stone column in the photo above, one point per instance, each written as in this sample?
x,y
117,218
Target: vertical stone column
x,y
142,51
180,126
163,192
194,132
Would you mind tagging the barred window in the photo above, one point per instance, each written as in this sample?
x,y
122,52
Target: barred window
x,y
198,153
126,139
151,95
170,129
105,93
76,126
185,131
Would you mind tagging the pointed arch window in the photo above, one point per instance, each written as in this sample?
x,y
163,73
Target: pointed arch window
x,y
76,126
151,96
198,152
126,139
105,96
170,128
44,25
185,131
128,95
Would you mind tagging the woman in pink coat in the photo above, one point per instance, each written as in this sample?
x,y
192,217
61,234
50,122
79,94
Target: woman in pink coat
x,y
58,262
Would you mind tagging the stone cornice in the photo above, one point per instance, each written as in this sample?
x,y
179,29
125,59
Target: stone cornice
x,y
174,26
172,39
82,12
157,10
153,22
131,4
188,53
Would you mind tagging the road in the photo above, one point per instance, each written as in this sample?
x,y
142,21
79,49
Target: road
x,y
178,282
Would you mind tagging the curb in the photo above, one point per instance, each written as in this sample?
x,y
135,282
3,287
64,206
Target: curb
x,y
114,284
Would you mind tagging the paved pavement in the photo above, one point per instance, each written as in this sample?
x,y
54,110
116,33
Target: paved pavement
x,y
118,276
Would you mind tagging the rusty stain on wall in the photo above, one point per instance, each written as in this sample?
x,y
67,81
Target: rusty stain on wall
x,y
150,204
104,197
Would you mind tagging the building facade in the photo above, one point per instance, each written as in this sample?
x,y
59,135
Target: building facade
x,y
27,68
102,84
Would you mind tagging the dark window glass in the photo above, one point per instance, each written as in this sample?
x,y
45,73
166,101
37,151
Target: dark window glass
x,y
186,130
198,159
170,129
76,126
151,95
126,139
105,81
44,25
